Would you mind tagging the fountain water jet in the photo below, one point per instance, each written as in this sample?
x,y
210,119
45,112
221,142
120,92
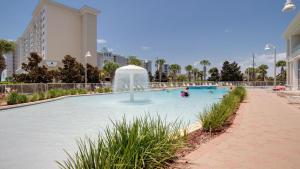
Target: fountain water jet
x,y
131,78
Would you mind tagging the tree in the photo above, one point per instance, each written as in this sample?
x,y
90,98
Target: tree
x,y
54,74
188,70
231,72
5,47
282,76
150,76
174,70
133,60
204,63
110,68
281,64
214,74
34,72
262,70
92,74
160,63
182,78
250,72
195,72
163,76
72,71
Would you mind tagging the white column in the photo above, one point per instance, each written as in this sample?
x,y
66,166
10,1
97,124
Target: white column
x,y
295,75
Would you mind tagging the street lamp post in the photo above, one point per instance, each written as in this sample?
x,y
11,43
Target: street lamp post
x,y
88,54
268,47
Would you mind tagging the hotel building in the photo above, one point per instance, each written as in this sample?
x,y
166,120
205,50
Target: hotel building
x,y
57,30
147,64
292,36
105,56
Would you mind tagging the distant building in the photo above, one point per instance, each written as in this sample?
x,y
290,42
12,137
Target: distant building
x,y
105,56
292,36
166,69
147,64
56,30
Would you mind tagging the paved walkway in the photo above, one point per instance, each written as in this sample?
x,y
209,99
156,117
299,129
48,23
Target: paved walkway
x,y
265,135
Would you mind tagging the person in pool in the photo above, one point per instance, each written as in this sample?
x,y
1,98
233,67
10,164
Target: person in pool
x,y
185,92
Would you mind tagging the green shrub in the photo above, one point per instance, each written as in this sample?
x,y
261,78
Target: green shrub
x,y
34,97
22,98
52,93
107,89
215,117
82,91
12,98
143,143
99,90
73,91
41,96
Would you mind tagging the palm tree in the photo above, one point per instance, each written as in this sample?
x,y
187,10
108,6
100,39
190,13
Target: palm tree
x,y
204,63
188,69
195,72
262,69
133,60
282,64
174,69
160,63
250,72
214,74
5,47
110,68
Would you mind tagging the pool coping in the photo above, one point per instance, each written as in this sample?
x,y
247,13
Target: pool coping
x,y
6,107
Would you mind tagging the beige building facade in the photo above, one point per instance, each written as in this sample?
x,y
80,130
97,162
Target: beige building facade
x,y
292,36
57,30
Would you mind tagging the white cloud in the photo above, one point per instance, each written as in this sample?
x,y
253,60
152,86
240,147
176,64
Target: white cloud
x,y
145,47
226,30
267,59
101,41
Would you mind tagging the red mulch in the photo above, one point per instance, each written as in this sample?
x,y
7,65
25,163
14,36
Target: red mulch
x,y
195,140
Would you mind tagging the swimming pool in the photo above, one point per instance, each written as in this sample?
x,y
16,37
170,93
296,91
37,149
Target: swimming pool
x,y
33,137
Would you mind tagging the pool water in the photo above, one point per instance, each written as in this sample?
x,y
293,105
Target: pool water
x,y
33,137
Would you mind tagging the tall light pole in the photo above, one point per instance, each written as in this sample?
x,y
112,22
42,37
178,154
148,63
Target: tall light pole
x,y
269,47
88,54
288,6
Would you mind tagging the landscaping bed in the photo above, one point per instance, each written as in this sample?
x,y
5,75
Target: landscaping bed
x,y
216,120
14,98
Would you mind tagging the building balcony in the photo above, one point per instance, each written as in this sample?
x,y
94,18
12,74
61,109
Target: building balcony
x,y
295,51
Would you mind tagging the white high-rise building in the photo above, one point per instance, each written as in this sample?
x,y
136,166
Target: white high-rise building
x,y
292,36
105,56
57,30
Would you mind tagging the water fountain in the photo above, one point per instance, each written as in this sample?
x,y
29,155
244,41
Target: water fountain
x,y
131,78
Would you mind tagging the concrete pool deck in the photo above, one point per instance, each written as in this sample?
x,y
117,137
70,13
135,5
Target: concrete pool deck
x,y
265,134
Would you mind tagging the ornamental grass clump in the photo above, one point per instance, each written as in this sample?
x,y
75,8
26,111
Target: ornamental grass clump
x,y
143,143
34,97
15,98
214,118
82,91
41,96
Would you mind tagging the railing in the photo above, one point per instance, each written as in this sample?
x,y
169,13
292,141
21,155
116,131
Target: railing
x,y
29,88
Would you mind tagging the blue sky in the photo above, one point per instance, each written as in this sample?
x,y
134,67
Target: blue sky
x,y
181,31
